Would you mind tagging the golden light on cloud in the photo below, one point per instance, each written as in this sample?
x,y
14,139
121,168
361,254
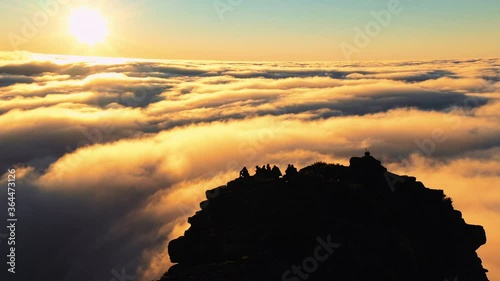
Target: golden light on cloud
x,y
138,142
88,26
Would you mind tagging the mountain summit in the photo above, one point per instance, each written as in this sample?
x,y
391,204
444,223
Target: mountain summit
x,y
327,222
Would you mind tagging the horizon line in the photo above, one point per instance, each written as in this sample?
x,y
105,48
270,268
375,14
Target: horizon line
x,y
242,60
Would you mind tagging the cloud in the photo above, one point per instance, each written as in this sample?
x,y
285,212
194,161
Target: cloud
x,y
29,69
407,76
7,80
44,134
113,155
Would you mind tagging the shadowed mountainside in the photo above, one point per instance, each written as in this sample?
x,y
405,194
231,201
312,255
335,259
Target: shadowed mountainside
x,y
327,222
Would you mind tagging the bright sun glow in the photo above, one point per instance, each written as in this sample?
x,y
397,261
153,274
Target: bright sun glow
x,y
88,26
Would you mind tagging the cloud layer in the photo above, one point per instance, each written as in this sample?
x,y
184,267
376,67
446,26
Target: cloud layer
x,y
113,155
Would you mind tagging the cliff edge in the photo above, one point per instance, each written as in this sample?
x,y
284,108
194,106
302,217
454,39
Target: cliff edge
x,y
327,222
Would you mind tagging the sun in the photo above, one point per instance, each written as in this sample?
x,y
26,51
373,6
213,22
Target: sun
x,y
88,26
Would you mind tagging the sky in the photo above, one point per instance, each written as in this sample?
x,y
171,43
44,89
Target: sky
x,y
265,30
118,115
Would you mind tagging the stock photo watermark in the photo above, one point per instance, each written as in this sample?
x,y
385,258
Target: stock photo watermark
x,y
364,35
310,264
11,220
225,6
122,275
30,26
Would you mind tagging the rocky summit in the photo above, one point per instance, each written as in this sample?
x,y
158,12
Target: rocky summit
x,y
327,222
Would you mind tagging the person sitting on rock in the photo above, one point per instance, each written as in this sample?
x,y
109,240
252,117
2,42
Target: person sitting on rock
x,y
290,172
276,172
244,173
367,153
258,171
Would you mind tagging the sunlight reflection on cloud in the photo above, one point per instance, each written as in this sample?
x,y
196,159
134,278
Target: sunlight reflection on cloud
x,y
134,143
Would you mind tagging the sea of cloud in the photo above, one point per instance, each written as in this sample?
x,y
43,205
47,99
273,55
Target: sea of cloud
x,y
113,155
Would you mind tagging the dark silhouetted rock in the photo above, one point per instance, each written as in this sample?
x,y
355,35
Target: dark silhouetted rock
x,y
327,222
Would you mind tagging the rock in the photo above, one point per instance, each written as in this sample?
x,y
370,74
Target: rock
x,y
328,222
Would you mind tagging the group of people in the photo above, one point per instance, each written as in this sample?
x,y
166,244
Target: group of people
x,y
267,172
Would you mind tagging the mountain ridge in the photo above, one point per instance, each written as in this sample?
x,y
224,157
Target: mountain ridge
x,y
327,222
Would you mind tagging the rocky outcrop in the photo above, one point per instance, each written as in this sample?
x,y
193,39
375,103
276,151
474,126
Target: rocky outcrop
x,y
327,222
